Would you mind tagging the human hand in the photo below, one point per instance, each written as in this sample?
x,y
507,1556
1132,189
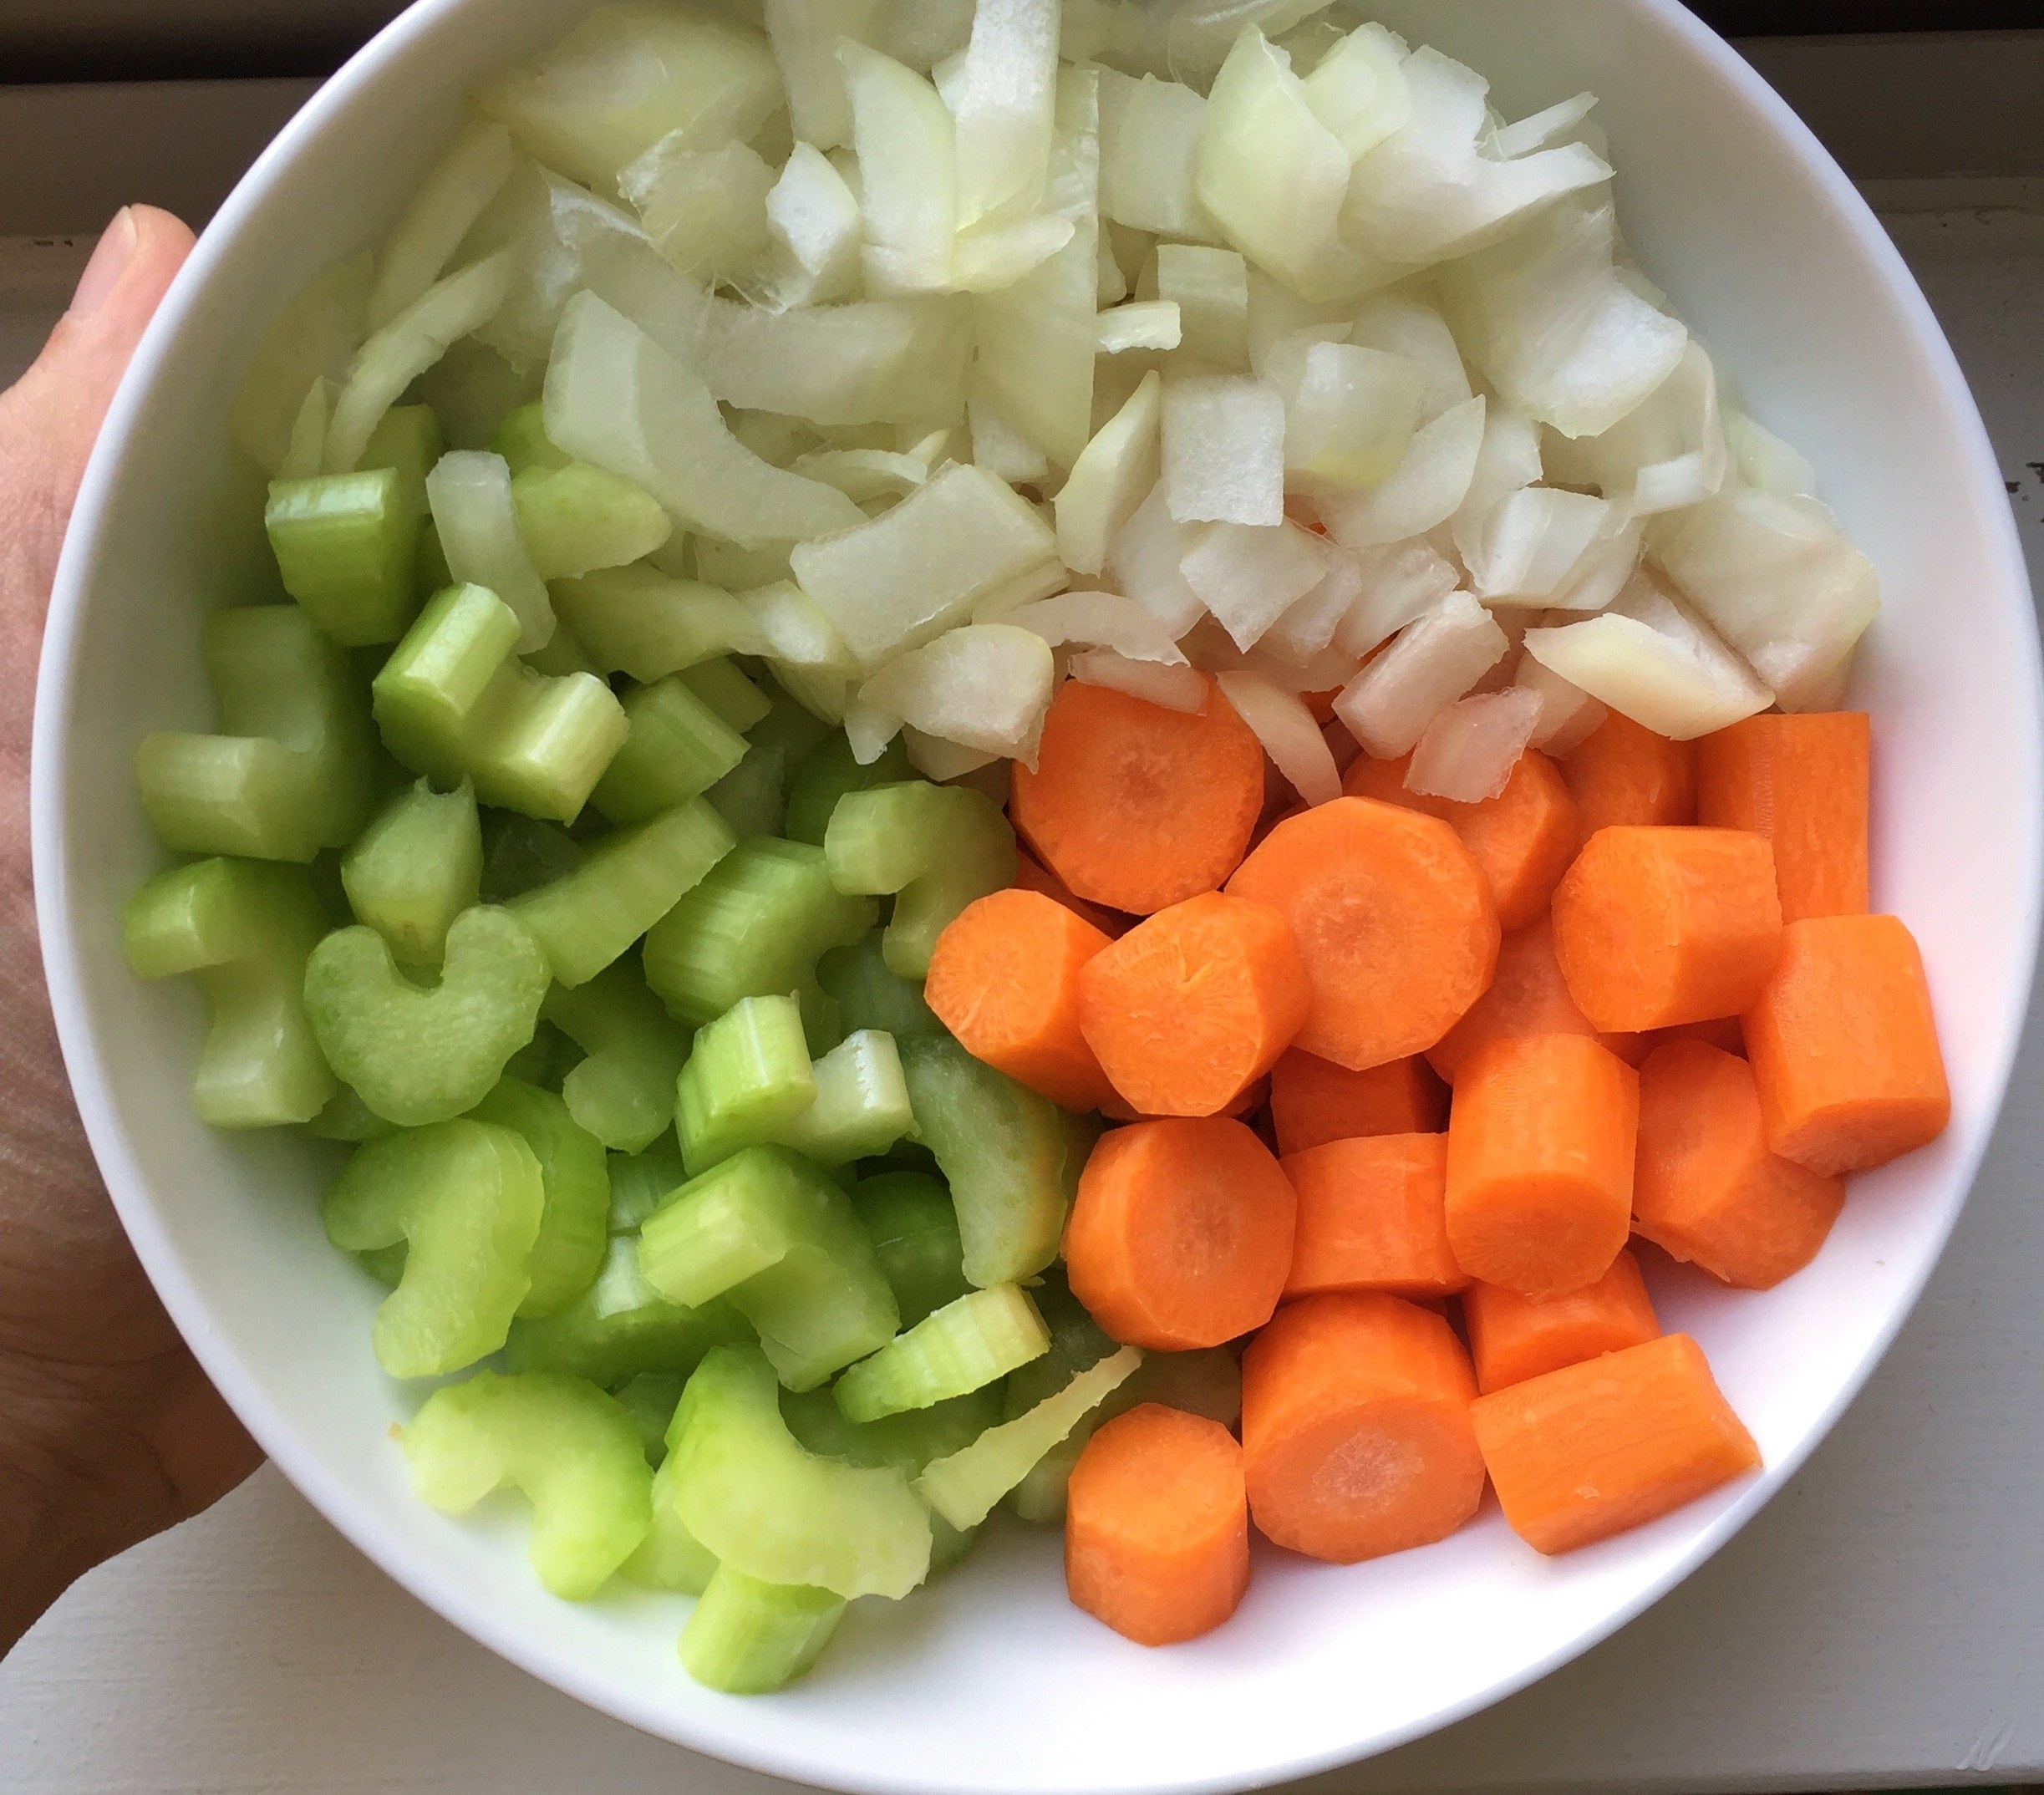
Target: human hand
x,y
109,1430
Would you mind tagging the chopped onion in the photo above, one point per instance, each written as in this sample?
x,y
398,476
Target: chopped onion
x,y
1544,130
1427,488
1280,322
945,761
704,210
864,475
1211,289
1001,449
1109,284
1531,542
471,494
1469,748
1569,715
814,230
314,338
1249,576
1308,628
991,258
805,35
1149,138
1358,89
907,150
453,195
1509,460
1291,737
1400,583
1172,688
305,455
1765,461
1432,662
1223,450
1146,559
1350,416
985,686
1145,324
1108,480
1104,620
1667,454
1002,94
1399,324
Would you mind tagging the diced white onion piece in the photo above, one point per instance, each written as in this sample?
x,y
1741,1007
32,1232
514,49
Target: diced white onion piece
x,y
1146,560
1401,581
1469,748
406,346
1399,324
471,494
1422,493
1666,454
869,729
1650,659
1002,96
1149,138
1223,450
1351,416
1532,541
440,214
1433,662
863,475
1143,325
983,686
1509,461
616,399
315,337
942,760
1001,449
894,583
804,34
1569,715
1211,289
1172,688
991,257
728,566
1765,461
797,633
1543,129
1308,628
1358,89
1249,576
1280,324
907,150
704,210
1605,566
1281,722
1778,580
1103,620
1109,284
814,230
305,453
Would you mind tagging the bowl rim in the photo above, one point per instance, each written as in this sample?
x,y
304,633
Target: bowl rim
x,y
753,1747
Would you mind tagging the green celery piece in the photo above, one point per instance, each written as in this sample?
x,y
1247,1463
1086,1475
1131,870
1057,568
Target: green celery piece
x,y
1011,1157
466,1197
670,1557
546,1060
650,1397
623,1092
788,726
748,1490
420,1055
638,621
779,1241
940,847
823,1023
641,1182
749,797
749,1638
416,869
522,440
677,750
243,929
964,1487
578,518
292,768
385,1264
621,1327
346,545
829,772
728,691
966,1346
573,1450
563,654
431,573
915,1232
631,879
408,440
748,1077
521,853
574,1229
870,994
755,926
1077,1342
347,1118
860,1106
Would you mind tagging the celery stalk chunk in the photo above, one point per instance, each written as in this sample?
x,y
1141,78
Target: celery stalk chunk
x,y
728,693
573,1450
915,1234
574,1229
587,920
577,518
869,994
291,769
652,1397
416,869
420,1055
964,1487
964,1346
830,772
747,1079
641,621
679,747
346,545
938,848
623,1092
778,1240
755,926
466,1197
242,930
621,1327
521,853
347,1118
522,440
748,1638
757,1499
641,1182
861,1108
670,1557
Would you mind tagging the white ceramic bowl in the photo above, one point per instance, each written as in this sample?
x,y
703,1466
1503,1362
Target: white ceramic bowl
x,y
990,1681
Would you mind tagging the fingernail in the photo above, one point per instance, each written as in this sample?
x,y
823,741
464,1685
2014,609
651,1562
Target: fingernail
x,y
110,261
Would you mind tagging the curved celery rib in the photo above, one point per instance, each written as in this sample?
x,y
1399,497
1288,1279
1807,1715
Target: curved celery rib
x,y
779,1241
416,869
748,1638
728,691
346,545
574,1229
418,1055
292,768
347,1118
752,797
748,1077
577,518
631,879
623,1092
573,1451
637,621
861,1108
964,1346
522,440
466,1197
829,772
939,848
243,930
641,1182
621,1327
679,747
870,994
760,1501
670,1557
915,1234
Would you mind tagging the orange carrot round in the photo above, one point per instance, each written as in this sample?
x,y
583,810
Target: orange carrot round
x,y
1624,774
1803,782
1372,1216
1157,1526
1181,1236
1314,1100
1527,997
1512,1337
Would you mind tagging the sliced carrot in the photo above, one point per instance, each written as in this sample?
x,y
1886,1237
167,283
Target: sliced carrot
x,y
1372,1216
1137,807
1803,782
1031,876
1706,1188
1182,1233
1527,997
1157,1526
1194,1005
1655,927
1844,1047
1356,1430
1005,981
1522,840
1397,925
1512,1337
1589,1450
1625,774
1314,1100
1540,1163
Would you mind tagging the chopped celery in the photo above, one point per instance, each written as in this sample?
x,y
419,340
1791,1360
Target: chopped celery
x,y
756,1498
728,691
915,1234
546,1060
243,929
748,1077
790,727
938,848
1077,1341
860,1106
621,1327
749,797
416,868
521,853
291,769
466,1197
651,1397
641,1183
346,545
577,519
964,1346
747,1638
573,1450
574,1229
830,772
870,995
522,440
678,748
347,1118
408,442
623,1092
631,879
641,621
670,1557
420,1056
775,1238
1011,1157
755,925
